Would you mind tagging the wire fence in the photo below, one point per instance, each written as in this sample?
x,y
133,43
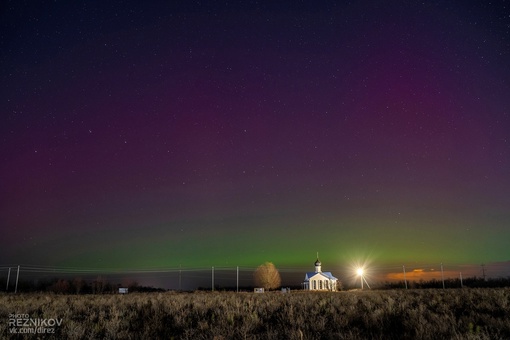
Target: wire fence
x,y
218,277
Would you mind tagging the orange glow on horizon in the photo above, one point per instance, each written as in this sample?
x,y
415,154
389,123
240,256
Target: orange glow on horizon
x,y
421,274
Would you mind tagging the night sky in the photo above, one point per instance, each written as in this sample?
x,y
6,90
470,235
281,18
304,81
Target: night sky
x,y
163,134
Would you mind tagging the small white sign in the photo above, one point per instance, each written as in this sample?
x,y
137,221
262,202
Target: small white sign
x,y
123,290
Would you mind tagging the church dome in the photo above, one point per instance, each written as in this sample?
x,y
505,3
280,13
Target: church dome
x,y
317,263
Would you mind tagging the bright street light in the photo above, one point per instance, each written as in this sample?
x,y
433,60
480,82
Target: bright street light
x,y
360,271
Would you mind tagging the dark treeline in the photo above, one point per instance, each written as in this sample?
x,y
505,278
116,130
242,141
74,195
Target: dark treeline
x,y
469,282
79,286
102,286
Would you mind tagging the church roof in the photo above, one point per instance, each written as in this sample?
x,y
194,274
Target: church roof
x,y
328,275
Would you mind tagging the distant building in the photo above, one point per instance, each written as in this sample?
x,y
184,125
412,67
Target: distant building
x,y
319,280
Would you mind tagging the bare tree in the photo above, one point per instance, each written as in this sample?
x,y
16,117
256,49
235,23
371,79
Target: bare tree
x,y
61,286
78,284
98,285
267,276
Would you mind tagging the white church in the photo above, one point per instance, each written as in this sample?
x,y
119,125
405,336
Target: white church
x,y
319,280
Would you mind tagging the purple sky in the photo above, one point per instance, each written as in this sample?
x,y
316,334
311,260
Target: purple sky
x,y
140,135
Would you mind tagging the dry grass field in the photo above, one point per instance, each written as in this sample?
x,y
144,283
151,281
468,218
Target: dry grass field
x,y
394,314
